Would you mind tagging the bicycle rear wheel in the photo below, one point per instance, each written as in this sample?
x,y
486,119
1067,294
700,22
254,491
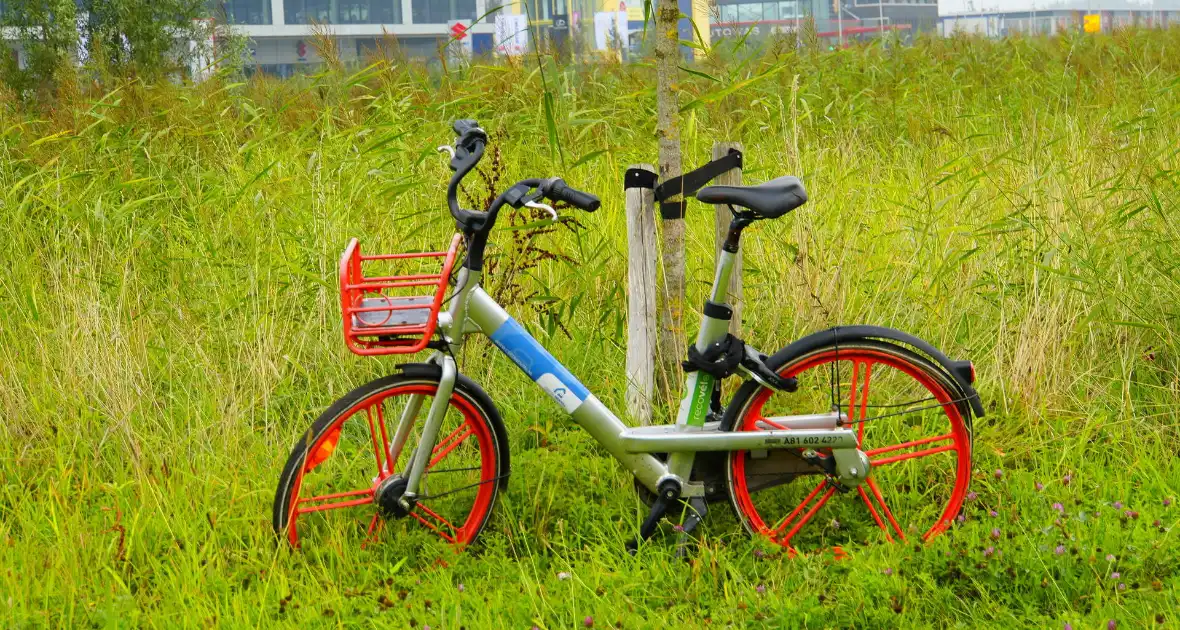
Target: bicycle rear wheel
x,y
909,422
340,474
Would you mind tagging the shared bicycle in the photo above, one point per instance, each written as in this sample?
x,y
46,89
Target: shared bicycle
x,y
855,433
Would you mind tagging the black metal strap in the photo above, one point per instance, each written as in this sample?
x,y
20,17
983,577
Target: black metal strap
x,y
639,178
672,209
689,183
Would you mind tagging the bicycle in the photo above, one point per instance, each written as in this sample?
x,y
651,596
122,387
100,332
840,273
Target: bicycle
x,y
790,439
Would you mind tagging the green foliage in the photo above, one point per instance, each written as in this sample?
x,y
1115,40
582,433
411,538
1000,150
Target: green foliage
x,y
146,38
167,278
48,32
139,37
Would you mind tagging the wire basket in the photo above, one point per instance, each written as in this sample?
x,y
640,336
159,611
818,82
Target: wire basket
x,y
396,312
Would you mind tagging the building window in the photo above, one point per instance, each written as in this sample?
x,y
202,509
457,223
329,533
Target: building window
x,y
749,12
341,11
240,11
443,11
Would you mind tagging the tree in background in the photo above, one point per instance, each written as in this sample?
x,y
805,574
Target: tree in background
x,y
124,37
47,31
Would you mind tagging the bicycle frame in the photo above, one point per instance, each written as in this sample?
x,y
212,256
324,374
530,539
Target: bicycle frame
x,y
472,310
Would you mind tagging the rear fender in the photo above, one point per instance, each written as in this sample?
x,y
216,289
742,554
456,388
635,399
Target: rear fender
x,y
961,372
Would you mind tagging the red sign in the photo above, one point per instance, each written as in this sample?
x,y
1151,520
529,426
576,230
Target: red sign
x,y
458,31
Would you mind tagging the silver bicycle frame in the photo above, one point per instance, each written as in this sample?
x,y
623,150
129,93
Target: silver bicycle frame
x,y
472,310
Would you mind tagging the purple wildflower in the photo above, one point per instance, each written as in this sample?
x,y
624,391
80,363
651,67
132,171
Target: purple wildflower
x,y
1118,505
1066,479
761,588
961,518
758,553
989,551
1096,513
1067,626
971,496
887,571
678,527
1111,625
1156,523
1122,587
996,533
1060,508
1116,575
1040,486
1059,550
1131,514
1110,557
588,621
1167,502
999,474
993,513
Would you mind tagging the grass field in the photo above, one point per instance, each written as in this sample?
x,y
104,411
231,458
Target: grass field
x,y
170,326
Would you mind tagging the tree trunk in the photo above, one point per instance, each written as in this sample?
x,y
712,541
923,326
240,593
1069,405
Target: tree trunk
x,y
671,346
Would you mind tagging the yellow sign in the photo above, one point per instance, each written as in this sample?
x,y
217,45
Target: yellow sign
x,y
1092,23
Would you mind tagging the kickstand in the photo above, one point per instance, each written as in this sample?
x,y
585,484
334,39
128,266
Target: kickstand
x,y
697,511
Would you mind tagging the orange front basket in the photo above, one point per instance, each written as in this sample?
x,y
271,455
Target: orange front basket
x,y
392,313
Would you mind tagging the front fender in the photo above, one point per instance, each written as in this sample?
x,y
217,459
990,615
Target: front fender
x,y
961,372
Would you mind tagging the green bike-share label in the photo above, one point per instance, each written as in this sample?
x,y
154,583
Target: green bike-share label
x,y
701,390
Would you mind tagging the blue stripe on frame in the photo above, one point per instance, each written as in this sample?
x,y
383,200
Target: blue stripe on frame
x,y
532,358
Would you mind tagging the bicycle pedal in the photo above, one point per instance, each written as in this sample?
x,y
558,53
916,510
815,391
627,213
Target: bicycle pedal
x,y
698,509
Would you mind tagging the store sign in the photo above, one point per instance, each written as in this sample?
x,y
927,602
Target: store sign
x,y
512,34
1092,23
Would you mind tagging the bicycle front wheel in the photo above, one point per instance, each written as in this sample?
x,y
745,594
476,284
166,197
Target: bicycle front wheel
x,y
908,420
340,475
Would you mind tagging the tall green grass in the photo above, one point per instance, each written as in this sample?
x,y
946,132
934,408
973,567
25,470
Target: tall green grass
x,y
170,326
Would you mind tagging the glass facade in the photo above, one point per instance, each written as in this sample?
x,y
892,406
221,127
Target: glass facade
x,y
763,11
241,11
443,11
343,11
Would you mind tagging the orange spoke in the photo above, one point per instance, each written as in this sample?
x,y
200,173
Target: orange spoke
x,y
771,423
796,511
375,525
333,506
450,447
432,526
810,513
898,458
863,394
885,509
373,434
338,495
384,438
898,447
873,511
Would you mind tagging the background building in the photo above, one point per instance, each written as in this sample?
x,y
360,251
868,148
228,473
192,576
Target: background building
x,y
999,18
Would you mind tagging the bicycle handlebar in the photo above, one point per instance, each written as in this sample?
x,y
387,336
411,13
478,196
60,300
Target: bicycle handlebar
x,y
558,190
469,148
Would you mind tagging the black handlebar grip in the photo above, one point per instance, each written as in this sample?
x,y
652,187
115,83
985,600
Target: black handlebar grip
x,y
463,126
559,191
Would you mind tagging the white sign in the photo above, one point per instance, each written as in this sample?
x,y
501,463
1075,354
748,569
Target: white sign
x,y
512,34
610,30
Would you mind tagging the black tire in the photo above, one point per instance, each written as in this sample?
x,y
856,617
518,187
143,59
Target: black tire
x,y
466,392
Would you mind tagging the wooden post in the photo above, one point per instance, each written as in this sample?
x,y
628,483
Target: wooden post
x,y
671,319
722,216
641,290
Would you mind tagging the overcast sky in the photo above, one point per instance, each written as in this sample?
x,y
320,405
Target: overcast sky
x,y
950,7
